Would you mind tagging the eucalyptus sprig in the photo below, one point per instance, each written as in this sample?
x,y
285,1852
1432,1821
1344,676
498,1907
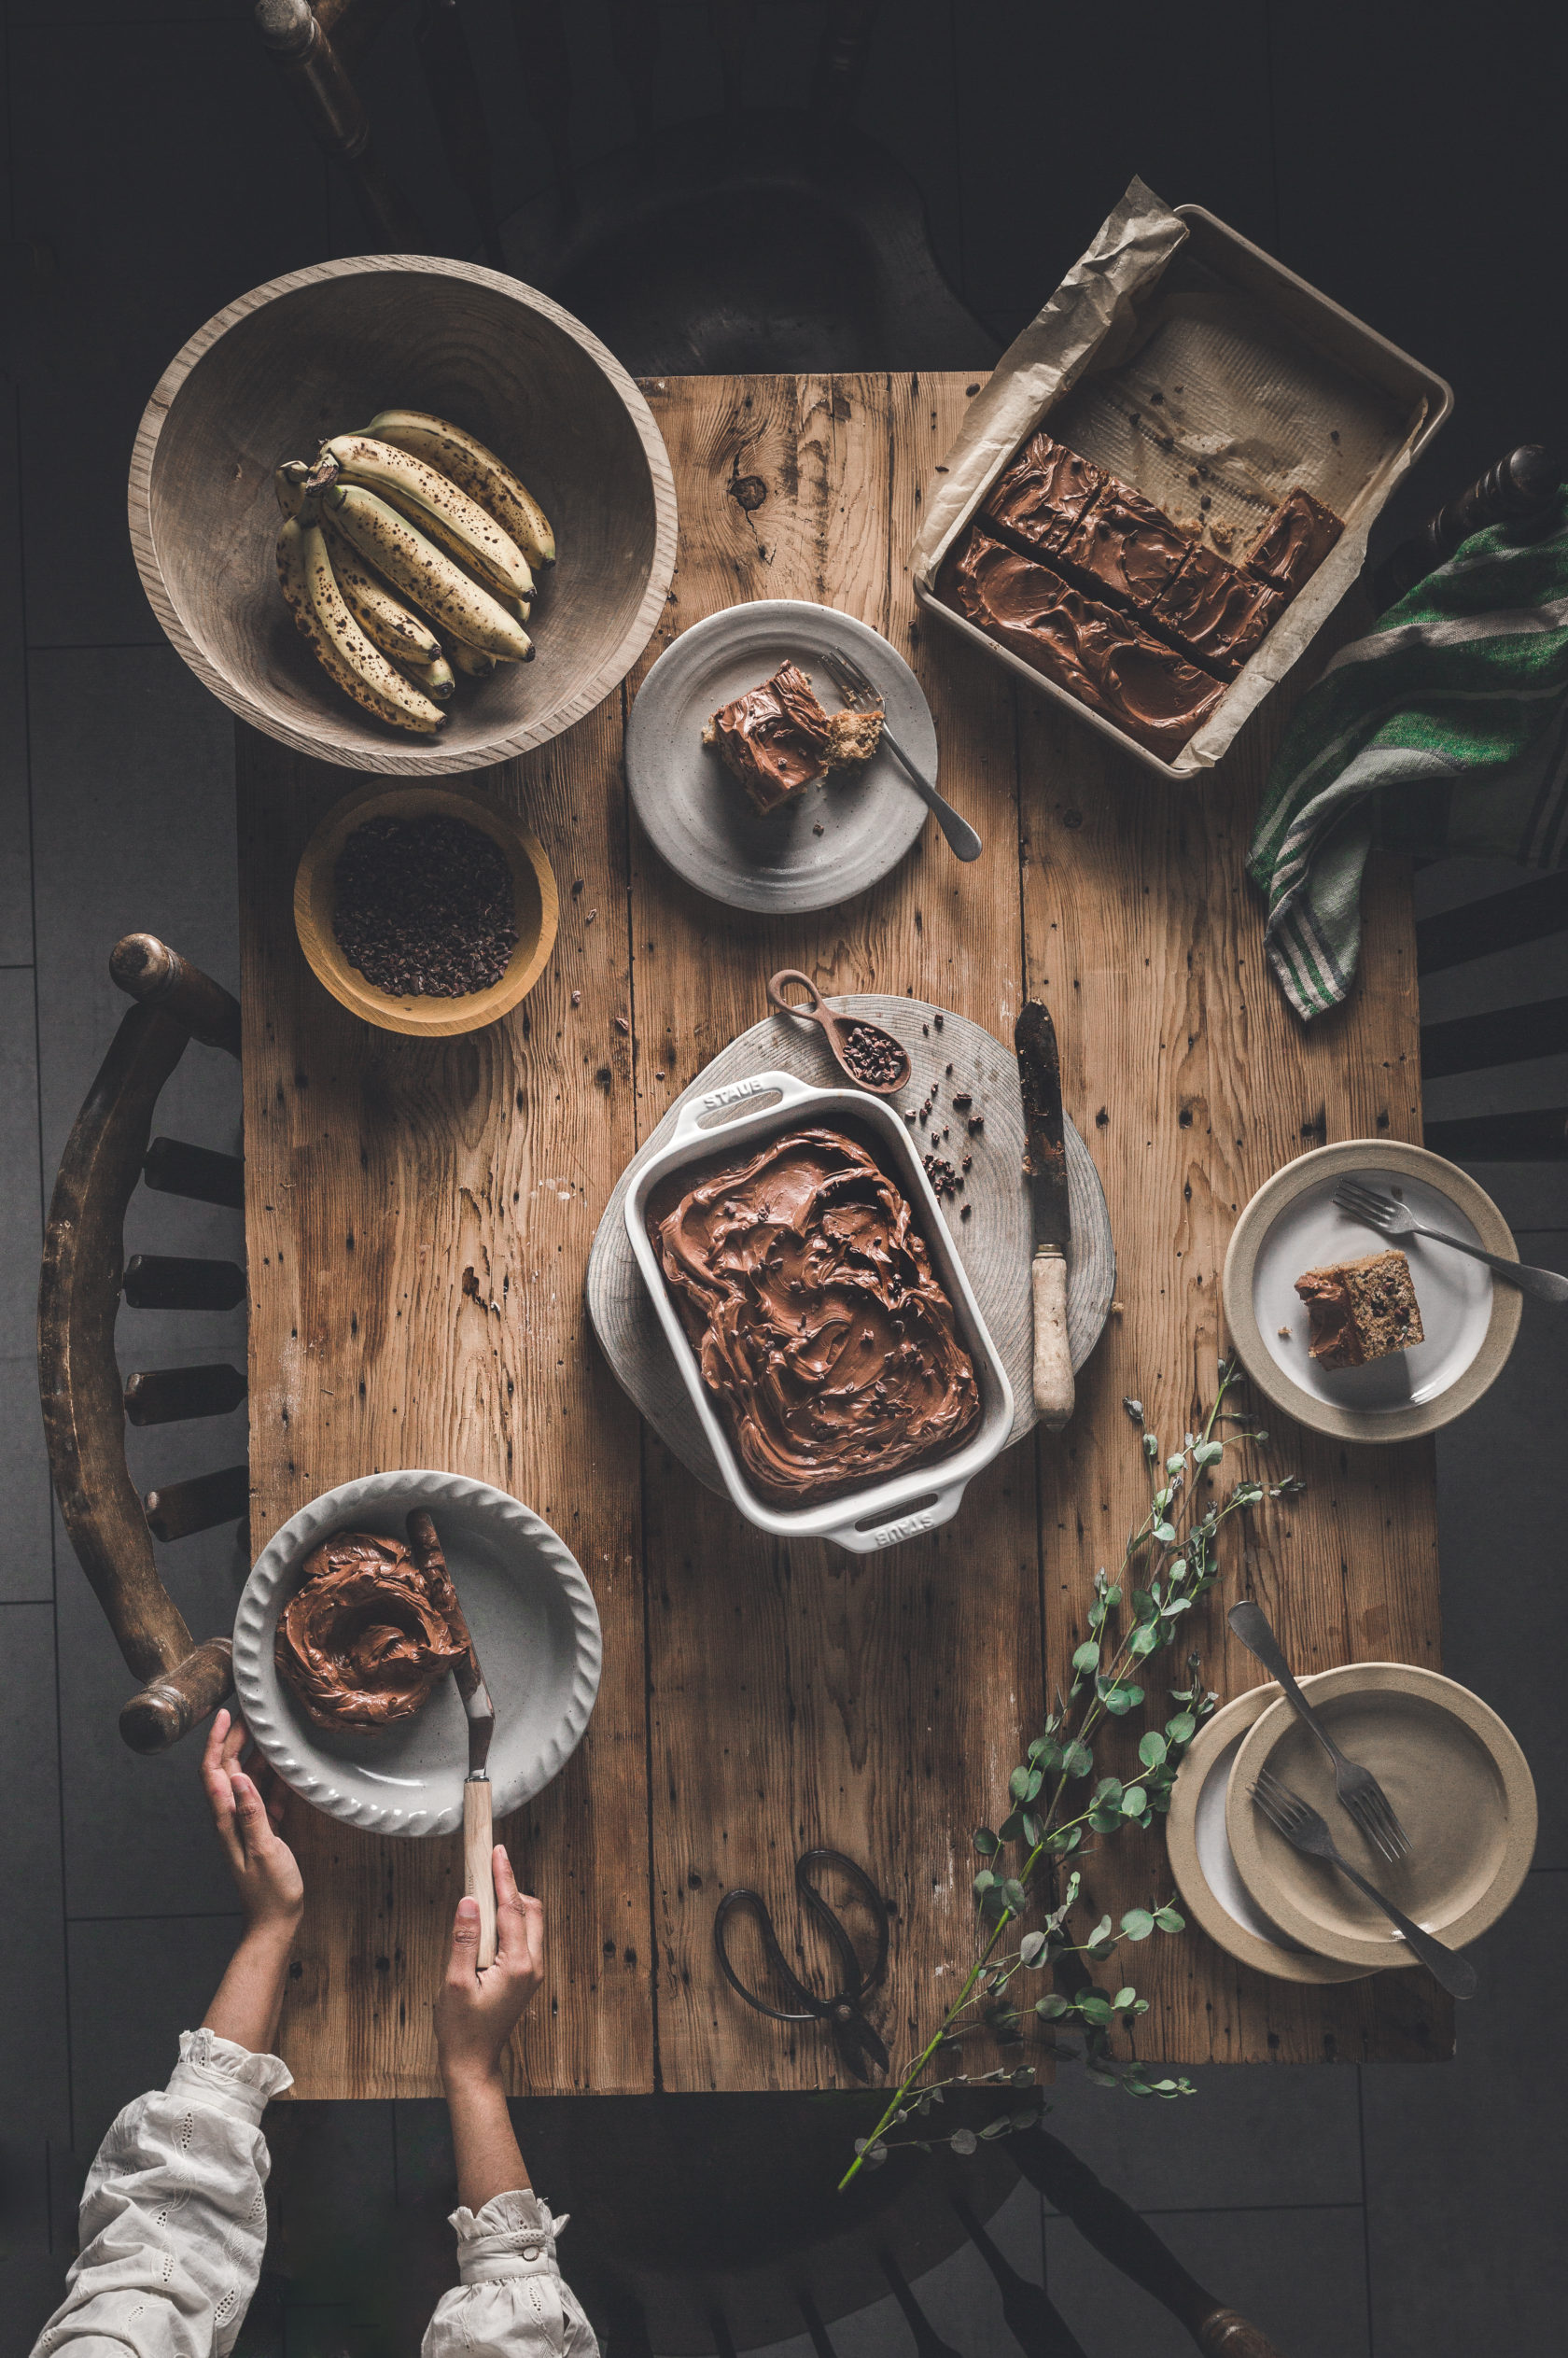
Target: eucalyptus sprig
x,y
1170,1562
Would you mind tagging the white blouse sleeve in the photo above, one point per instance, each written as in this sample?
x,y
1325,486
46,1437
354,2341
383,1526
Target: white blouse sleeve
x,y
173,2220
513,2301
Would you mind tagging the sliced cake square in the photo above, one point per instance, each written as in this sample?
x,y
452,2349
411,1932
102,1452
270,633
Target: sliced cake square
x,y
1361,1309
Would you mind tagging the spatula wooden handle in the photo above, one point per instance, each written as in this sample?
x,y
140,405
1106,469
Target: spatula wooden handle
x,y
1053,1360
479,1871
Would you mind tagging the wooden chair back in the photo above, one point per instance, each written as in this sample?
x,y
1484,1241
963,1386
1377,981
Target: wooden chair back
x,y
85,1277
759,240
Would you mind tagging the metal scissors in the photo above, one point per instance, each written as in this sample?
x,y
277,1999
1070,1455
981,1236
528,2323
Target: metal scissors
x,y
855,2038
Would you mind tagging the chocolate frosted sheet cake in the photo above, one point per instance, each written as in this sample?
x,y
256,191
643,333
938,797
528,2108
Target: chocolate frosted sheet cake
x,y
1294,542
1217,614
1042,495
1361,1309
1126,546
1101,657
826,1343
774,739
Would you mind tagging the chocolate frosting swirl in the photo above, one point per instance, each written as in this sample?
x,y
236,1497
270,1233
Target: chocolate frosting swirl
x,y
1099,656
366,1637
774,738
822,1334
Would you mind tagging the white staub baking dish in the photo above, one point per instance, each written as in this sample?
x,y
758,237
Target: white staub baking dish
x,y
922,1496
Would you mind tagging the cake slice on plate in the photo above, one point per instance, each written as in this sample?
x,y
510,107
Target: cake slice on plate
x,y
1361,1309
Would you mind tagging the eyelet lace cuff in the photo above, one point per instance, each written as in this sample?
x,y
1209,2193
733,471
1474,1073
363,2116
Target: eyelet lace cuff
x,y
227,2078
514,2235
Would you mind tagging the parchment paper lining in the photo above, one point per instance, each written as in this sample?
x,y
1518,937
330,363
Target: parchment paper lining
x,y
1249,406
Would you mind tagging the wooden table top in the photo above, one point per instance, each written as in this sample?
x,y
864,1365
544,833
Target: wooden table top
x,y
419,1216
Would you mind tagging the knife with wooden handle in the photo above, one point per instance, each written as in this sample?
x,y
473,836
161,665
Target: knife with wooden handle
x,y
1034,1037
478,1833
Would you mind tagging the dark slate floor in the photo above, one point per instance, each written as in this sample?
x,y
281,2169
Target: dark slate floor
x,y
1400,2213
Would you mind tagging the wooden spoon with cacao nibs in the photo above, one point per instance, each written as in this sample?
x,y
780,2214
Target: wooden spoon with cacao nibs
x,y
873,1059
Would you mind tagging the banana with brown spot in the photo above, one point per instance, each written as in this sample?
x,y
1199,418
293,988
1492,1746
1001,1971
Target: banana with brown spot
x,y
436,679
437,507
385,621
465,461
469,660
438,587
362,671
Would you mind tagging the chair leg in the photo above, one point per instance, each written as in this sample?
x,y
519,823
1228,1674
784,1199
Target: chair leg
x,y
316,77
1130,2244
170,1705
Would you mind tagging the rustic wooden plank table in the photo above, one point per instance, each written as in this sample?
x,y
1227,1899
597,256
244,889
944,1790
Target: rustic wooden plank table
x,y
419,1217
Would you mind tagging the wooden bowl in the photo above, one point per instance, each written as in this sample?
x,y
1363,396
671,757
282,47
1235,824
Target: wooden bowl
x,y
318,353
537,910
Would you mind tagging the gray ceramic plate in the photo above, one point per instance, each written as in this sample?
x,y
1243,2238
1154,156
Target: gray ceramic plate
x,y
1290,1225
535,1631
699,819
1202,1862
1459,1787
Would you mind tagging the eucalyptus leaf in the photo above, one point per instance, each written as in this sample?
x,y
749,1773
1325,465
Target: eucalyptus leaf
x,y
1031,1951
1170,1919
1123,2000
1181,1729
1093,2006
1086,1656
1077,1760
1137,1924
1133,1802
1052,2008
1152,1748
963,2140
985,1842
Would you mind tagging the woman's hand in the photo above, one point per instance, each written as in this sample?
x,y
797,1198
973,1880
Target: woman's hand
x,y
477,2012
247,1815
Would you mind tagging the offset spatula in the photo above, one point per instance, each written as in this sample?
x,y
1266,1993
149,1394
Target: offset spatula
x,y
479,1879
1034,1037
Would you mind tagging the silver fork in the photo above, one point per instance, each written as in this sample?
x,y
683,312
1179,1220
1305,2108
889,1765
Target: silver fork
x,y
1392,1219
1359,1792
859,691
1306,1832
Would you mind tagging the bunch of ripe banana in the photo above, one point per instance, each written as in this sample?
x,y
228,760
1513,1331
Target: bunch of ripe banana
x,y
408,554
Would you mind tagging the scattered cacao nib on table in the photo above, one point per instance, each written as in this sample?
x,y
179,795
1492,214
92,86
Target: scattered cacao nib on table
x,y
425,908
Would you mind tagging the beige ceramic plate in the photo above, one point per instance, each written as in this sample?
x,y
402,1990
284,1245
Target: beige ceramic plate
x,y
1290,1225
1206,1874
536,909
1459,1784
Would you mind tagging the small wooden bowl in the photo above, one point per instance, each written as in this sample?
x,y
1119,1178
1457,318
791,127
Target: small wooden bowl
x,y
318,354
538,910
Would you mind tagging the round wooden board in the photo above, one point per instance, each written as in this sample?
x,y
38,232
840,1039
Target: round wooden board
x,y
995,1243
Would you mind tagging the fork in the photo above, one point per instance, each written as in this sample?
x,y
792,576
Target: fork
x,y
858,689
1392,1219
1306,1832
1359,1791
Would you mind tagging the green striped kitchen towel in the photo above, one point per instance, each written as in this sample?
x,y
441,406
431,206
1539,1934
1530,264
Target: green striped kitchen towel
x,y
1446,729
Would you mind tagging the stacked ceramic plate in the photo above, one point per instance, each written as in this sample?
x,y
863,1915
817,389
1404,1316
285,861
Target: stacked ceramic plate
x,y
1456,1778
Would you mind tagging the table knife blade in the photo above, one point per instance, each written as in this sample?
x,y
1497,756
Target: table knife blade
x,y
479,1879
1034,1039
